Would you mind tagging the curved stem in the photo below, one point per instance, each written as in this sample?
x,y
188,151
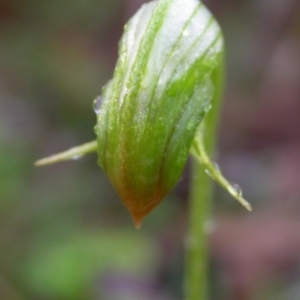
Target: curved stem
x,y
198,151
73,153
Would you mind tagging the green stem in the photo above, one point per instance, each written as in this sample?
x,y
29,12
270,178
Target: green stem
x,y
196,281
196,264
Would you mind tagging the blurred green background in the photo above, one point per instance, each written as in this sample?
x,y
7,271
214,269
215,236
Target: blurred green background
x,y
64,233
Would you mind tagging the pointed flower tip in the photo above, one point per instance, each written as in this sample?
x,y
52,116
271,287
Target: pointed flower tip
x,y
137,219
138,215
249,207
139,207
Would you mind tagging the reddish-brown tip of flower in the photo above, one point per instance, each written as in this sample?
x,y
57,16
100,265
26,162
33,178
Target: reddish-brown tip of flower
x,y
137,219
140,209
138,215
139,201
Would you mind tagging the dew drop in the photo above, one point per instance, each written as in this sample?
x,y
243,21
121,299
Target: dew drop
x,y
208,173
96,129
76,157
97,105
185,33
207,108
217,167
237,189
190,125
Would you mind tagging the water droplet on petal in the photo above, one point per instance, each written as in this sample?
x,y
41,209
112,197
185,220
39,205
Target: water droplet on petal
x,y
207,108
185,33
97,105
96,129
237,189
190,125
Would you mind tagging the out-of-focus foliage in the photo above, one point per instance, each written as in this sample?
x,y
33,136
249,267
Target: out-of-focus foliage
x,y
63,232
66,269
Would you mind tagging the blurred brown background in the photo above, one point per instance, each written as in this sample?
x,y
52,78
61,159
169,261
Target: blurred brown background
x,y
63,232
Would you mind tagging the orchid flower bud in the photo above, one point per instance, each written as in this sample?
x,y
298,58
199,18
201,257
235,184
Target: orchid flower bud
x,y
160,93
